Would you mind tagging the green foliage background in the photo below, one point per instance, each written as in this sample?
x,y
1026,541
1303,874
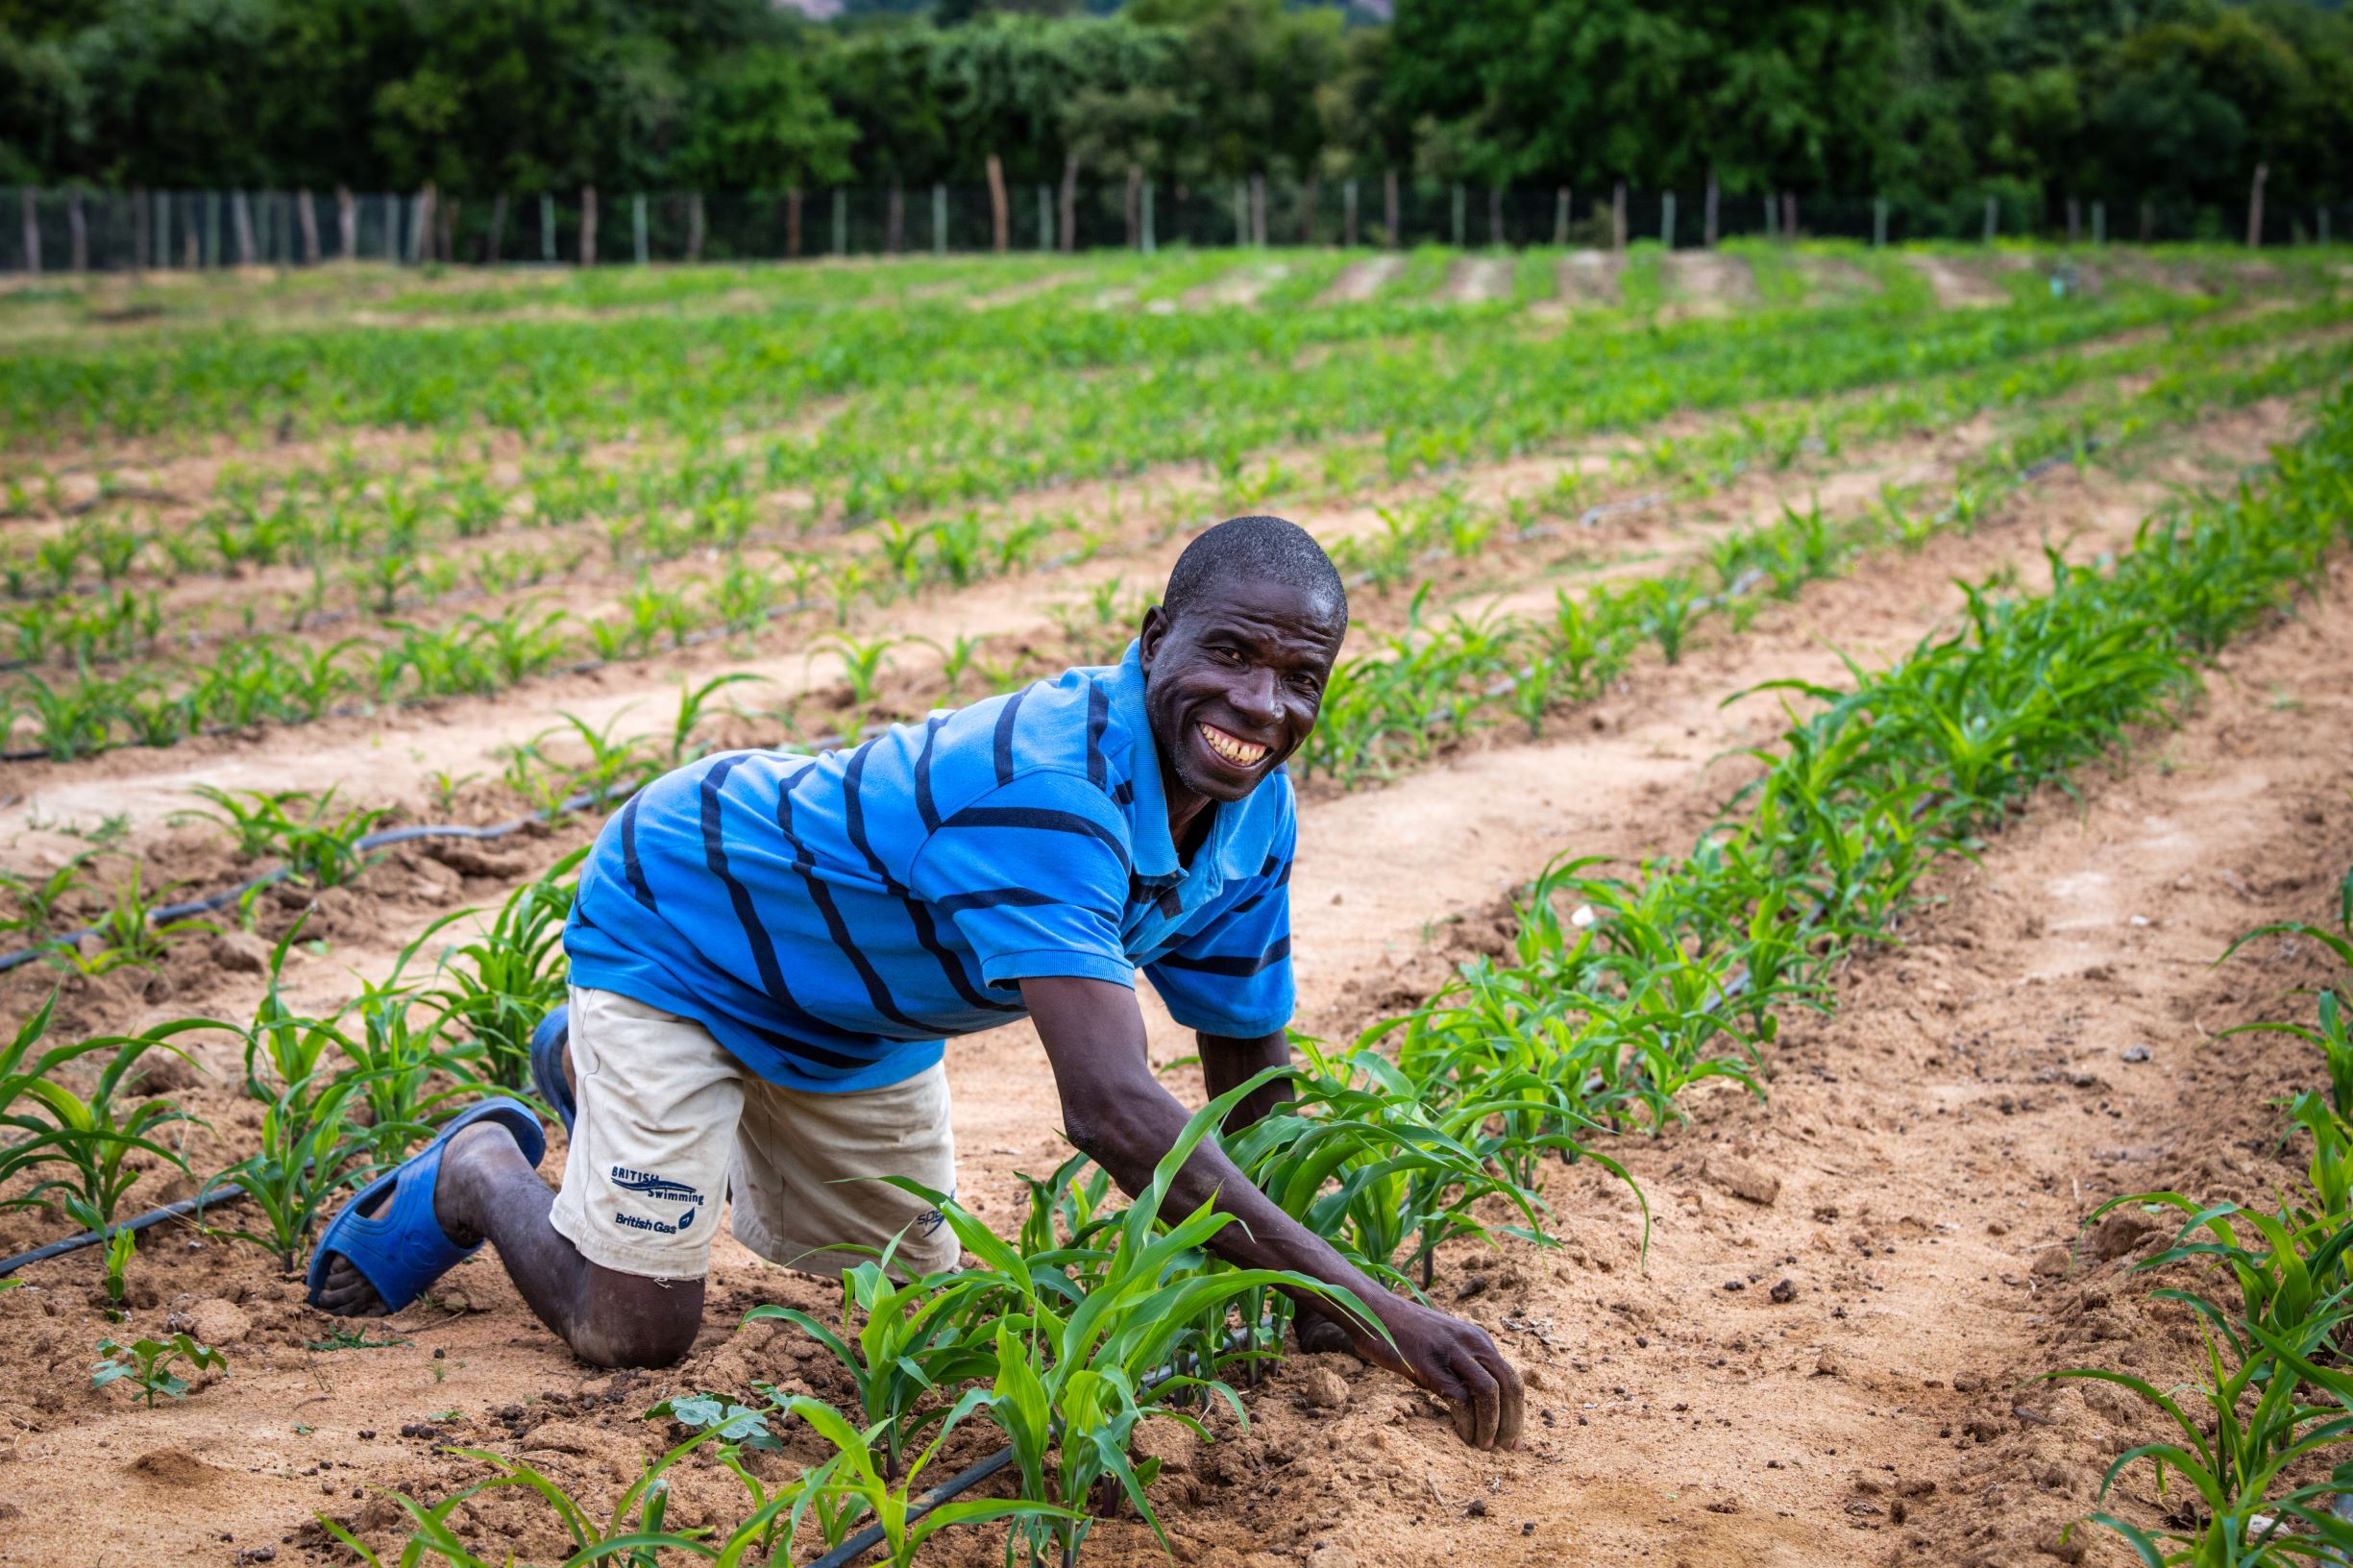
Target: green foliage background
x,y
1925,101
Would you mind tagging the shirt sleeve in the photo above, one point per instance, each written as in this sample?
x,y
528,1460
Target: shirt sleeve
x,y
1234,975
1034,874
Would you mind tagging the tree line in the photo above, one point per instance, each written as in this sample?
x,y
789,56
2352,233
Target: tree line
x,y
1930,103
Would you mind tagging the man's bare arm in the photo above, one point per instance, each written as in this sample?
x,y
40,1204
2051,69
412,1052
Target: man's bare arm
x,y
1117,1113
1229,1061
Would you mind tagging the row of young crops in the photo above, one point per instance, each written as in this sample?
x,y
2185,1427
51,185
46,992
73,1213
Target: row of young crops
x,y
1428,684
790,334
1620,993
95,666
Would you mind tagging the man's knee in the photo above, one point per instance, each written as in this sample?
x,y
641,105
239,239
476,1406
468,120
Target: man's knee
x,y
634,1321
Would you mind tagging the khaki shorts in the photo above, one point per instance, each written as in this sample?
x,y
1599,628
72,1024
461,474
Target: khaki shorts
x,y
669,1123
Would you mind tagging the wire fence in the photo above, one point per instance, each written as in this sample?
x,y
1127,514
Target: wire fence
x,y
92,230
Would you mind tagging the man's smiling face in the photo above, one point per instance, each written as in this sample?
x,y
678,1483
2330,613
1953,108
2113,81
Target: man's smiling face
x,y
1234,682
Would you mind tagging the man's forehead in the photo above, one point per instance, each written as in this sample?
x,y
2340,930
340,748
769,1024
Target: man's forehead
x,y
1260,608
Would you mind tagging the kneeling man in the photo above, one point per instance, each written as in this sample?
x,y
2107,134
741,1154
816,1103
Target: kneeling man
x,y
768,951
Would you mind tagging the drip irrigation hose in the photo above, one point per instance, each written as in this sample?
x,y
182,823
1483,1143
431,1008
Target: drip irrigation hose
x,y
154,1216
212,901
370,840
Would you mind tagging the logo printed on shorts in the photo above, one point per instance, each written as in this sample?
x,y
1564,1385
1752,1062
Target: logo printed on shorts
x,y
647,1185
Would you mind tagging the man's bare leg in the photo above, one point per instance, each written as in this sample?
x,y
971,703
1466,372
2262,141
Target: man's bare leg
x,y
487,1189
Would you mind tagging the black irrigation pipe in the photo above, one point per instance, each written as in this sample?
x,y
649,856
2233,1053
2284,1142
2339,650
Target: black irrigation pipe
x,y
154,1216
371,840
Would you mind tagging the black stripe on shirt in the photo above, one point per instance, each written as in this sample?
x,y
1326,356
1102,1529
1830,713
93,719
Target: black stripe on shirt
x,y
956,903
928,934
1098,713
923,806
1042,818
853,811
1239,968
755,935
805,863
1004,735
639,889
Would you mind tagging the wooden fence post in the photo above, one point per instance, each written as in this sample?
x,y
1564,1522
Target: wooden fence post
x,y
1789,214
1707,223
420,243
1617,217
841,221
2254,207
1132,209
139,237
1666,220
1000,217
1560,216
241,222
347,223
77,233
894,219
694,226
2100,223
1151,230
1069,202
637,228
1257,212
1457,215
163,229
1388,208
792,223
588,225
30,207
1993,217
1348,213
939,218
308,216
497,242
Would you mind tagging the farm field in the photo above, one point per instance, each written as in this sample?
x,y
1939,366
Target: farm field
x,y
1822,713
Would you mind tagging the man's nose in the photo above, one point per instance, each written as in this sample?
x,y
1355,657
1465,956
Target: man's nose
x,y
1254,694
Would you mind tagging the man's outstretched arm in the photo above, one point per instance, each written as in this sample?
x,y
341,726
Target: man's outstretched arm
x,y
1117,1112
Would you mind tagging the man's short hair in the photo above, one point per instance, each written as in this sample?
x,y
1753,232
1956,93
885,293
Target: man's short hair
x,y
1268,549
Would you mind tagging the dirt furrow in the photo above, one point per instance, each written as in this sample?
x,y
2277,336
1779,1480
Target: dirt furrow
x,y
250,1456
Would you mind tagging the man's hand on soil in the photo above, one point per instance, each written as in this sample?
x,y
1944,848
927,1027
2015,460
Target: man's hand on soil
x,y
1453,1359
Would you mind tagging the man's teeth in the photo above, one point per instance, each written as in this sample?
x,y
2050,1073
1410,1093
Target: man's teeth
x,y
1241,753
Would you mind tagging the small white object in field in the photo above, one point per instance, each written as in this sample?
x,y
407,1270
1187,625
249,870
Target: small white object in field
x,y
1583,916
2141,920
2136,1053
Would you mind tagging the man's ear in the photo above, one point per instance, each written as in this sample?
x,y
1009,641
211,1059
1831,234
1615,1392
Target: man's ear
x,y
1148,636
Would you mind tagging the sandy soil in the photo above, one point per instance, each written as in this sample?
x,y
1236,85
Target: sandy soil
x,y
1872,1416
1361,281
1475,279
1590,279
1955,284
1705,283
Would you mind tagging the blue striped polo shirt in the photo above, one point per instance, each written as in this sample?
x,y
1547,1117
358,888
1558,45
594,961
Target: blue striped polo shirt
x,y
831,920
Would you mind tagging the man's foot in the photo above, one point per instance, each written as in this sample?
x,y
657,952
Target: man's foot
x,y
346,1292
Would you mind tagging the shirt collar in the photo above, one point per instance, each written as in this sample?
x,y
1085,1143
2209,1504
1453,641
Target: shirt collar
x,y
1153,851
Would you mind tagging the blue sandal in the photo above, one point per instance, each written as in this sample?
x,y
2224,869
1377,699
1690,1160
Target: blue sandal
x,y
549,1043
400,1248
